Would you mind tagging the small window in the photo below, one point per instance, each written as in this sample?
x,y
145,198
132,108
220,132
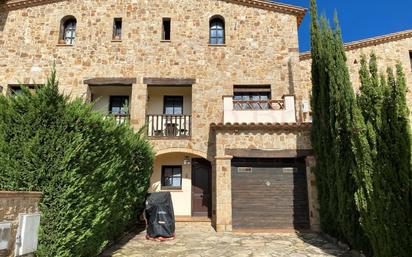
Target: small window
x,y
173,105
67,30
119,105
251,97
17,89
166,29
217,31
117,29
410,58
171,177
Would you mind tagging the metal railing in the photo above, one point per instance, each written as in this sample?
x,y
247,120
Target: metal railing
x,y
162,125
258,105
120,118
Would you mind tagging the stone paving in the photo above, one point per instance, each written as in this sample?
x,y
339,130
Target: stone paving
x,y
202,241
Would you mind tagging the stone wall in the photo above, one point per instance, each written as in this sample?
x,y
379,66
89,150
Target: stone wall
x,y
261,48
13,203
388,54
268,139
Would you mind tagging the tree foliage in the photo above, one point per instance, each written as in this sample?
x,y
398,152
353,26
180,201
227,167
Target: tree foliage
x,y
386,208
93,172
363,148
338,136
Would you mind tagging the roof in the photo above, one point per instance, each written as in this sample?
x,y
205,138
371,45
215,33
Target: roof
x,y
297,11
272,126
373,41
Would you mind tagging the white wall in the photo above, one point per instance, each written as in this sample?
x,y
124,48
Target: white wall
x,y
101,95
182,199
255,116
156,94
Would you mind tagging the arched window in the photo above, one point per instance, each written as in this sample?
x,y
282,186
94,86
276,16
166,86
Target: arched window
x,y
217,31
67,30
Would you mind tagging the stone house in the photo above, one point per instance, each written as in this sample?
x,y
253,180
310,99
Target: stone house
x,y
219,84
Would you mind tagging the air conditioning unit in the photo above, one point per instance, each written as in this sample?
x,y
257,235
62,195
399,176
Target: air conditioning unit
x,y
27,234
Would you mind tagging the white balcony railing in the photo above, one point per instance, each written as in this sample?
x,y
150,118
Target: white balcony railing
x,y
159,125
270,111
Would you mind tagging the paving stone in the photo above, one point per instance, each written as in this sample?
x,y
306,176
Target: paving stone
x,y
207,243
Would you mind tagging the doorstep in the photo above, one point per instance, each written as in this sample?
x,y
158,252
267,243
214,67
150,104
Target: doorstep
x,y
192,219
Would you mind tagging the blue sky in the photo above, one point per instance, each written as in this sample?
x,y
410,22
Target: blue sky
x,y
359,19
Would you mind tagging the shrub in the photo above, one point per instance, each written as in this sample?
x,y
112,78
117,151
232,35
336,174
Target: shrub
x,y
93,172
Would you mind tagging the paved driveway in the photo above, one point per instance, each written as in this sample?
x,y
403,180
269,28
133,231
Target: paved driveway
x,y
201,241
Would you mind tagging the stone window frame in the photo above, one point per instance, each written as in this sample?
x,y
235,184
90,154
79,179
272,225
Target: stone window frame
x,y
214,22
64,25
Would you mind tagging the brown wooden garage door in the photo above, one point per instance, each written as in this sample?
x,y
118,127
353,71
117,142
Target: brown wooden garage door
x,y
269,193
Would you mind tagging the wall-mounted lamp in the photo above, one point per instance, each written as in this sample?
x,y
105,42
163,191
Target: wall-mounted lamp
x,y
186,160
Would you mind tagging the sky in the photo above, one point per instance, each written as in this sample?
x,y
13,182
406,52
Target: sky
x,y
359,19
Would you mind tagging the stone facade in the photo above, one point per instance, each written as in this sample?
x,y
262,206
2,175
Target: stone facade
x,y
390,49
270,138
11,205
261,48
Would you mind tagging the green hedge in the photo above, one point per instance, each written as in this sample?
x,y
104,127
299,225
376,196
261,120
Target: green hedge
x,y
93,172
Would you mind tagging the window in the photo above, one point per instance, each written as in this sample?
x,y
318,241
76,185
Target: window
x,y
171,177
251,97
67,30
173,105
166,29
217,31
17,89
117,29
410,58
119,105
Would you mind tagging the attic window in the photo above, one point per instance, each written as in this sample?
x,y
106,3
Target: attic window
x,y
166,28
117,29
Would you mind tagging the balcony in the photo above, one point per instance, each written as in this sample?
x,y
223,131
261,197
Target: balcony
x,y
168,125
169,110
120,118
112,101
259,111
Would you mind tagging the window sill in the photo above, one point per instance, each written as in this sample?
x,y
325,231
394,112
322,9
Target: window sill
x,y
177,190
217,45
165,41
64,44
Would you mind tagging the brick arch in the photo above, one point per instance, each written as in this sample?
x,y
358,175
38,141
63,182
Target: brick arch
x,y
182,150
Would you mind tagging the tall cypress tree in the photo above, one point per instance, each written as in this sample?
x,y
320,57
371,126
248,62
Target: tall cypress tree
x,y
320,134
338,134
393,174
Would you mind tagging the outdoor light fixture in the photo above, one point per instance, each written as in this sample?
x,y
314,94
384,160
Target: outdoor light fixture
x,y
186,160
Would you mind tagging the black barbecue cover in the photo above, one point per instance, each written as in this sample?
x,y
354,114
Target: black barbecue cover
x,y
159,215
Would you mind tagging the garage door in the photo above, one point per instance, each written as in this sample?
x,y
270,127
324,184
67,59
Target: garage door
x,y
269,193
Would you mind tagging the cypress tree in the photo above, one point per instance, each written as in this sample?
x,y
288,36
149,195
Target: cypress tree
x,y
393,173
320,134
338,134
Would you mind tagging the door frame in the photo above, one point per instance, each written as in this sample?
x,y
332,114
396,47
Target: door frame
x,y
203,162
